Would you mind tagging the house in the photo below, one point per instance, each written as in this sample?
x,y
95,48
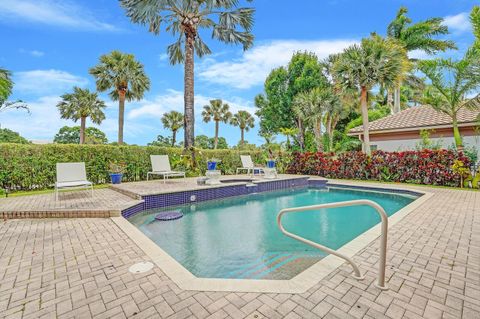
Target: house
x,y
401,131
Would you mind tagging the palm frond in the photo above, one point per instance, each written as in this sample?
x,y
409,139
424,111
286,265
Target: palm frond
x,y
475,20
13,105
175,52
6,84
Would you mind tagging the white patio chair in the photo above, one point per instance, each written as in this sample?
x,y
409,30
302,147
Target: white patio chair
x,y
161,166
71,176
248,166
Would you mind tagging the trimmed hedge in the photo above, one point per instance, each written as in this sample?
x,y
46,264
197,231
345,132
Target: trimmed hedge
x,y
430,167
28,167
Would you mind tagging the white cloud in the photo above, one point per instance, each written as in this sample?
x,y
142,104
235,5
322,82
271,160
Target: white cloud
x,y
46,81
418,54
52,12
163,57
34,53
43,122
254,65
458,23
173,100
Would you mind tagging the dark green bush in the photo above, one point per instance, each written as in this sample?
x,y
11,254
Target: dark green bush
x,y
27,167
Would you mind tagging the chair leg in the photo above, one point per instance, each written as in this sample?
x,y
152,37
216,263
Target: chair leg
x,y
91,189
56,194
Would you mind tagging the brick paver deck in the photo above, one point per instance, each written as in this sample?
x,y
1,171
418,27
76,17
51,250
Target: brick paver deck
x,y
78,268
104,203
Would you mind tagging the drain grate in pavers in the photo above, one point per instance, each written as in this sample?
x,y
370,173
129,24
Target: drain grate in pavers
x,y
140,267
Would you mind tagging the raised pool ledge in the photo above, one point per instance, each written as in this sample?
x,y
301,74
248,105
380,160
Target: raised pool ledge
x,y
191,193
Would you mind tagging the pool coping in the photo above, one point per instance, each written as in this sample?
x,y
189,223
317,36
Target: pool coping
x,y
298,284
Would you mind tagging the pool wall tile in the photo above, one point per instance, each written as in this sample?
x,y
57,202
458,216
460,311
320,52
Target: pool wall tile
x,y
375,188
133,210
201,195
317,182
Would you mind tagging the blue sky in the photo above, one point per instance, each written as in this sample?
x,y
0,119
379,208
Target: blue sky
x,y
49,45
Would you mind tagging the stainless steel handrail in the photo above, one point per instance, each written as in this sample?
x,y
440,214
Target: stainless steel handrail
x,y
383,240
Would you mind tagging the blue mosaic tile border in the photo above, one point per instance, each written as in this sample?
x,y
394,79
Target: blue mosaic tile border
x,y
201,195
133,210
317,182
390,190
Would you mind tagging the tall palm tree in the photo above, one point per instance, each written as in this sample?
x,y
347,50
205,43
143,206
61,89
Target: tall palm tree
x,y
218,112
451,82
173,121
245,121
417,36
184,20
375,61
124,77
310,107
6,84
79,105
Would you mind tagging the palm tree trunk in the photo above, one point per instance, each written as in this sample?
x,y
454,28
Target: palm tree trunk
x,y
242,140
83,119
216,135
456,134
301,137
189,93
396,102
121,114
390,101
333,125
329,131
174,137
364,107
318,134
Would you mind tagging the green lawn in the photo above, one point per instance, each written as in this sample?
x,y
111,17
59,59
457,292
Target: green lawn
x,y
46,191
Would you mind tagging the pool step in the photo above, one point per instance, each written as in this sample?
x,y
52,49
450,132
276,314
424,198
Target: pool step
x,y
267,265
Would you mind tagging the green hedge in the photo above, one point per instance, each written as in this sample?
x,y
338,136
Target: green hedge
x,y
28,167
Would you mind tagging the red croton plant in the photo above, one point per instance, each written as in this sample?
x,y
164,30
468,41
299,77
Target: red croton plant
x,y
430,167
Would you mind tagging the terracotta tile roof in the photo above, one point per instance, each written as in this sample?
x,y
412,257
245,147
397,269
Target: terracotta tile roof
x,y
417,117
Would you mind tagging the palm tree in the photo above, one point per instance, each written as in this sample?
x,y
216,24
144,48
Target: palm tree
x,y
218,112
79,105
310,107
125,77
340,107
451,81
375,61
289,132
173,121
185,19
417,36
475,20
6,84
245,121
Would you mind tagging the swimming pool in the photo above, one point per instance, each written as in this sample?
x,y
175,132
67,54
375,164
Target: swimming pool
x,y
237,237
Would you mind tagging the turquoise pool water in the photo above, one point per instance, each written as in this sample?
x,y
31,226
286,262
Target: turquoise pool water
x,y
238,237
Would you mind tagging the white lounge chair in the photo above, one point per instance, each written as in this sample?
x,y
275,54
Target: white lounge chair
x,y
161,166
248,166
71,176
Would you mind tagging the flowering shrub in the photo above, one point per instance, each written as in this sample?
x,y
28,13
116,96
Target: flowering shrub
x,y
430,167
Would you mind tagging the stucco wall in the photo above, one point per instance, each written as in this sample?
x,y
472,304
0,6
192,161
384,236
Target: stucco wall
x,y
410,144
